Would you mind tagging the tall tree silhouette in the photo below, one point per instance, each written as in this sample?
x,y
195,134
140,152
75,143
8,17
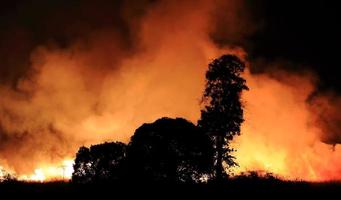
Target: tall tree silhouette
x,y
222,114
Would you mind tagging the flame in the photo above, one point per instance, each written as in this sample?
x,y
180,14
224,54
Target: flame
x,y
51,173
98,89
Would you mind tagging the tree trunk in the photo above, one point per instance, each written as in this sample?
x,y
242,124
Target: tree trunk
x,y
219,162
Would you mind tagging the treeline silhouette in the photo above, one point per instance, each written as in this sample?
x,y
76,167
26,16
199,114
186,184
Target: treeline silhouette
x,y
167,150
175,150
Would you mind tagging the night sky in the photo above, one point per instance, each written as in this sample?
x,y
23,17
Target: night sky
x,y
305,33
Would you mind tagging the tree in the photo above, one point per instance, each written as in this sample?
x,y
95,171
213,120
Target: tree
x,y
99,163
222,114
170,150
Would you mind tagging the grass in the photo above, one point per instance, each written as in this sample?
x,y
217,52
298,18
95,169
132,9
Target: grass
x,y
246,185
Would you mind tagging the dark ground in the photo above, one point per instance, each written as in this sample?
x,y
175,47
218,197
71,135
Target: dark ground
x,y
258,188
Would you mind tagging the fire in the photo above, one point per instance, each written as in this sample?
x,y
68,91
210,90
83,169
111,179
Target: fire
x,y
101,89
280,134
46,173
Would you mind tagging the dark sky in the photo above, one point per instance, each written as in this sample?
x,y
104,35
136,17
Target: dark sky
x,y
24,25
303,32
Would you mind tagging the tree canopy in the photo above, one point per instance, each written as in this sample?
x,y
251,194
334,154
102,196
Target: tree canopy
x,y
170,150
99,163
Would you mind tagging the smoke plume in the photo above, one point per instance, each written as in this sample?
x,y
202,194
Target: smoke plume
x,y
118,65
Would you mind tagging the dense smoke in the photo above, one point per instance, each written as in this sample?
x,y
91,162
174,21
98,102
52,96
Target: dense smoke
x,y
143,62
99,71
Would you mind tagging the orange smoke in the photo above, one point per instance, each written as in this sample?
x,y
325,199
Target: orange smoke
x,y
99,90
280,134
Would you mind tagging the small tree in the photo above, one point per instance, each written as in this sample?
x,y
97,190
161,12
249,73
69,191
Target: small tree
x,y
222,114
99,163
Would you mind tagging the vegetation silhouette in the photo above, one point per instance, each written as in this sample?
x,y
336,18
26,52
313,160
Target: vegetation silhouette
x,y
222,114
167,150
99,163
175,150
170,150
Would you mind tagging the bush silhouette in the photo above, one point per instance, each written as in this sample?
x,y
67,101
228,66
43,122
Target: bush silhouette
x,y
99,163
170,150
